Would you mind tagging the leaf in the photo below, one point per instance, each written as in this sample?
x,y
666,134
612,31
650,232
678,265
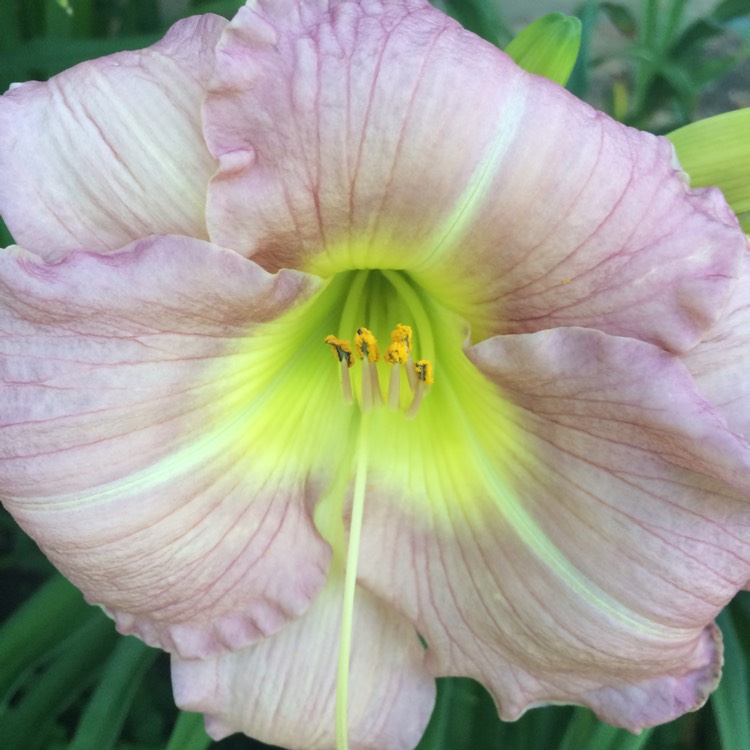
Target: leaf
x,y
730,9
731,700
479,16
464,717
105,713
622,19
49,616
580,79
188,733
716,151
71,670
226,8
548,47
586,731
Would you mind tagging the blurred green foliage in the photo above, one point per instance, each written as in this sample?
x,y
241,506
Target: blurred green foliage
x,y
672,59
67,681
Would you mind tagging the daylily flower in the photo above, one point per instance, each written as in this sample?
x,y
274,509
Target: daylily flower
x,y
560,515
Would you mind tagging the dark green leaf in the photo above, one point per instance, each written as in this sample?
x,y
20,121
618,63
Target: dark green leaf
x,y
110,703
70,671
481,17
188,733
731,700
226,8
728,10
52,614
580,79
622,18
586,731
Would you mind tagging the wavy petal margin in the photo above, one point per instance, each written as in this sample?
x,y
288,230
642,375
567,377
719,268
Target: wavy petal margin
x,y
112,149
283,690
128,450
719,364
581,555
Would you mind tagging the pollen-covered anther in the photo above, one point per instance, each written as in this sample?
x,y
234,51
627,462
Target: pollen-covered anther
x,y
342,351
402,334
366,348
423,371
423,368
397,354
366,345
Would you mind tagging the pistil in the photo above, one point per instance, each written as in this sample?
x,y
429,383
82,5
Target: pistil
x,y
350,586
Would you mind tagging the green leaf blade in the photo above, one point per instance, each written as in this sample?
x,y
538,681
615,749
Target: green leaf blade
x,y
108,707
716,151
548,47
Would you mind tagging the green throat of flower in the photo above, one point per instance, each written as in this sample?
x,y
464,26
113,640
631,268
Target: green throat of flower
x,y
418,374
334,424
419,377
381,415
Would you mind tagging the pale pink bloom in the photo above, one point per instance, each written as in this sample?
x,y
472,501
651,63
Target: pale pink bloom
x,y
566,512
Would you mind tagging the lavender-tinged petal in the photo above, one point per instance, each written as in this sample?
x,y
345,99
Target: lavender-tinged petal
x,y
128,441
582,551
283,690
112,149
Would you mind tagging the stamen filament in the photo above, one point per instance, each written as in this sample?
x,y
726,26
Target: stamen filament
x,y
377,395
366,349
411,374
350,586
394,387
423,372
398,354
346,383
417,402
367,400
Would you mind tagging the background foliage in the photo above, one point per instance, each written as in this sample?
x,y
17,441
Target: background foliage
x,y
69,682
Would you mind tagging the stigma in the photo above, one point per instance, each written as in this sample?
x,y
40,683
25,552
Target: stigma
x,y
397,355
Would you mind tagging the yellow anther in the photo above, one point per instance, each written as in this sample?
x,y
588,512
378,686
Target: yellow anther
x,y
423,372
342,350
366,345
397,353
402,334
423,368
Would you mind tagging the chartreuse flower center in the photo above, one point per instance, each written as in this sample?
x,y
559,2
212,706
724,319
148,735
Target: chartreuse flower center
x,y
377,384
367,382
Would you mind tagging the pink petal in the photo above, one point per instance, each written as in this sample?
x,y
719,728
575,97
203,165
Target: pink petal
x,y
383,135
112,149
581,551
720,365
283,690
131,448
